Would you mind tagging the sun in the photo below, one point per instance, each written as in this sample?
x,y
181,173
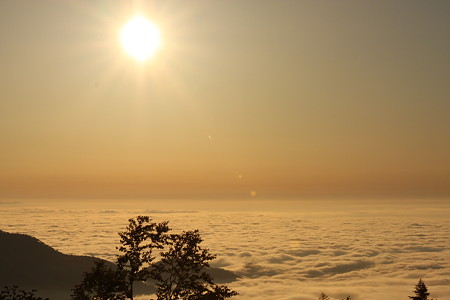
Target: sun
x,y
140,38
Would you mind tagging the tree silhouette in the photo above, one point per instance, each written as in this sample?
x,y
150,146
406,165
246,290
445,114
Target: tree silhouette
x,y
421,291
138,241
181,273
101,283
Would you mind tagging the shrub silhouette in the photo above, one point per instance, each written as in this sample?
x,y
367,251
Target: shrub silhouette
x,y
323,296
101,283
13,293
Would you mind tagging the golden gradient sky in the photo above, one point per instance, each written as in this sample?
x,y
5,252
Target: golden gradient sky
x,y
278,97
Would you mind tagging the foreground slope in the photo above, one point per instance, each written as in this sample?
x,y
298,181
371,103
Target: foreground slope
x,y
30,264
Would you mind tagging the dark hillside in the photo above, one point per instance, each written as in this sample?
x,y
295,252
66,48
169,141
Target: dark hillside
x,y
30,264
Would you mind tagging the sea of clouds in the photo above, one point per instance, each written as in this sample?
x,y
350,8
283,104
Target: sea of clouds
x,y
369,254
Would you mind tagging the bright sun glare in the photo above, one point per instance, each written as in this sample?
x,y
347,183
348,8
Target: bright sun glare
x,y
140,38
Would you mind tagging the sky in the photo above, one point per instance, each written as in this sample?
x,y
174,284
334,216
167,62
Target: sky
x,y
243,98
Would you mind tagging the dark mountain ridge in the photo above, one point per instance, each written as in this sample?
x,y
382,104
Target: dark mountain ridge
x,y
30,264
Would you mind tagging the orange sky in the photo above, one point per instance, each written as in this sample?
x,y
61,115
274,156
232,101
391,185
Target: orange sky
x,y
283,99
